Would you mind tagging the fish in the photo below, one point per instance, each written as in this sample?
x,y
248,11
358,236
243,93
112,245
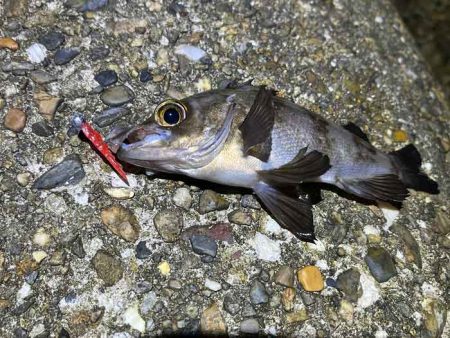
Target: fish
x,y
250,137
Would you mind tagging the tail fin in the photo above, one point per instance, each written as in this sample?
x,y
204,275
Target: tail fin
x,y
409,161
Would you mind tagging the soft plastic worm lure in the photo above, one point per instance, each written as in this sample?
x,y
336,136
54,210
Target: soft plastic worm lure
x,y
96,139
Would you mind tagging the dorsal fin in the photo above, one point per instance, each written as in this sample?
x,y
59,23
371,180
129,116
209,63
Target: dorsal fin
x,y
257,127
355,130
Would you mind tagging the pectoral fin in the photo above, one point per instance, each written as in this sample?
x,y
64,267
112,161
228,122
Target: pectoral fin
x,y
257,127
289,211
301,168
355,130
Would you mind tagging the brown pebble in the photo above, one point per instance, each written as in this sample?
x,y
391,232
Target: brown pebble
x,y
47,104
310,278
400,136
15,120
121,222
9,43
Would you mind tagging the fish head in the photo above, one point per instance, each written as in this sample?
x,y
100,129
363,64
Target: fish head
x,y
181,134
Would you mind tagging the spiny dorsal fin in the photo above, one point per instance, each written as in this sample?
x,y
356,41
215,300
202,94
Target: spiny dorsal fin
x,y
290,212
257,126
355,130
301,168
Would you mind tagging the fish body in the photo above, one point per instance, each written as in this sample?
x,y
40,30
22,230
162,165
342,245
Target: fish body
x,y
249,137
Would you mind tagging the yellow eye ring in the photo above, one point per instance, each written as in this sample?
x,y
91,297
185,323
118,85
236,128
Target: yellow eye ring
x,y
170,113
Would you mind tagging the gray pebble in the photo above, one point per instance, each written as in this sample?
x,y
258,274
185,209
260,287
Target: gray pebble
x,y
285,276
212,201
18,67
69,172
380,264
42,77
65,55
148,302
52,40
117,96
250,326
248,310
76,247
99,53
109,116
31,277
250,201
240,217
169,224
204,245
231,304
410,246
42,129
182,198
108,267
258,293
106,78
348,283
142,252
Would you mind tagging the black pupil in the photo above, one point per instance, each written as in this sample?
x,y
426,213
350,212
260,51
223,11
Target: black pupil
x,y
171,116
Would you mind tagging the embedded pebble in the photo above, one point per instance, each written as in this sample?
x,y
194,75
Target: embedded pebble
x,y
148,302
69,172
108,267
109,116
174,284
249,326
240,217
134,319
441,223
121,222
310,278
52,155
15,120
77,248
212,321
348,283
41,238
119,193
346,310
24,292
285,276
212,201
192,53
106,78
47,104
164,268
212,285
249,201
410,246
23,179
145,76
52,40
435,316
380,263
169,224
400,136
296,316
182,198
248,310
117,96
65,55
87,5
42,129
142,251
39,256
9,43
287,299
42,77
266,248
36,53
203,245
258,293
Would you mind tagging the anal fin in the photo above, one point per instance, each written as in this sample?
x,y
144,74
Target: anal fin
x,y
378,188
289,211
303,167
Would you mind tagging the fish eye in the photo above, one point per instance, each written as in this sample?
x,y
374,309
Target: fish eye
x,y
170,113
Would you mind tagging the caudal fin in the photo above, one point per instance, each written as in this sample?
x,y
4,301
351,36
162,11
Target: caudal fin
x,y
409,161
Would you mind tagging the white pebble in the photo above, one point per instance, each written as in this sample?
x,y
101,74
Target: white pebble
x,y
212,285
266,249
24,292
182,198
36,53
370,291
120,193
191,52
39,256
134,319
41,238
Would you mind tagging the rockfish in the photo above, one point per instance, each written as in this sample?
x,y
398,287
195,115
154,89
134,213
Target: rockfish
x,y
247,136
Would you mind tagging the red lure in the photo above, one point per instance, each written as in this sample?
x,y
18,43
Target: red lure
x,y
101,146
